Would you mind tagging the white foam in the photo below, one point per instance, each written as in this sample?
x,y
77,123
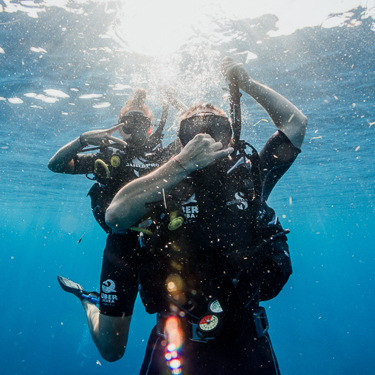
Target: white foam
x,y
119,86
56,93
90,96
46,99
15,100
41,97
38,50
101,105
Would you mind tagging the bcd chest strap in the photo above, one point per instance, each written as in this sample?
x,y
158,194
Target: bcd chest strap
x,y
225,315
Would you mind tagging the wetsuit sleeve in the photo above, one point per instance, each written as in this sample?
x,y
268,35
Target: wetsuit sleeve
x,y
272,266
270,272
276,157
275,270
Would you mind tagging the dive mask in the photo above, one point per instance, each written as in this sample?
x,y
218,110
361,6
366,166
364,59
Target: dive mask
x,y
218,127
138,125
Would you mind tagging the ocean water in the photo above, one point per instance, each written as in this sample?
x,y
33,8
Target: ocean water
x,y
67,67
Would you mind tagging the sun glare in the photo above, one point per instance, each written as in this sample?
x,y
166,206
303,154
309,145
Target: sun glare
x,y
161,27
155,28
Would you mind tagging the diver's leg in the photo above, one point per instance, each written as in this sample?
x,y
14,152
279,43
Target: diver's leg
x,y
109,333
109,324
154,362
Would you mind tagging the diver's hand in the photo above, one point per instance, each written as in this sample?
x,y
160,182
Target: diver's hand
x,y
101,137
234,73
201,151
168,92
169,95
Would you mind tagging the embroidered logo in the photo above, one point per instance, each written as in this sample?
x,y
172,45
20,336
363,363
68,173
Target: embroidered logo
x,y
107,299
108,286
190,209
240,201
141,163
190,213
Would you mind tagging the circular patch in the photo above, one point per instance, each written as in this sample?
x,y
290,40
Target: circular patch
x,y
115,161
176,223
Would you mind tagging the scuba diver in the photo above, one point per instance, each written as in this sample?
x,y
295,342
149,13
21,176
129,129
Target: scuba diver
x,y
118,162
219,249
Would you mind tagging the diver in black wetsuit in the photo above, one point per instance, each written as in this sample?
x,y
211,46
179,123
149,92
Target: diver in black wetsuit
x,y
219,249
113,166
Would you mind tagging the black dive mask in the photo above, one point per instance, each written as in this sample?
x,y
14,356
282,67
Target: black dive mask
x,y
138,126
218,127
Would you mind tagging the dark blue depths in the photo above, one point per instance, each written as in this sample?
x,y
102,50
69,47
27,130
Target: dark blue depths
x,y
322,322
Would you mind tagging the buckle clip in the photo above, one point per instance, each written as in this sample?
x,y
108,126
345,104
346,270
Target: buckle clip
x,y
260,321
195,337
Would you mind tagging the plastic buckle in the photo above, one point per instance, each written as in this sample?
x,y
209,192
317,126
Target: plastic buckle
x,y
195,337
260,321
90,299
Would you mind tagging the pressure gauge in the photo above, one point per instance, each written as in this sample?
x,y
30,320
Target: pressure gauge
x,y
215,306
209,325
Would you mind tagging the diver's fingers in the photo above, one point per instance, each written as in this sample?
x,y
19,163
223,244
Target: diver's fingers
x,y
226,63
216,146
222,153
234,72
117,140
168,91
116,127
228,59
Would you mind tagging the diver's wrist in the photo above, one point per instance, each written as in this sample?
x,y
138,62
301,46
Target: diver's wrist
x,y
82,141
181,165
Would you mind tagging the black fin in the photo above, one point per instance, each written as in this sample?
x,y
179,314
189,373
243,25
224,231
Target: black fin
x,y
71,287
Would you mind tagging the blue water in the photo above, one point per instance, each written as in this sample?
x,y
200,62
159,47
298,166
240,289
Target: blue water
x,y
322,322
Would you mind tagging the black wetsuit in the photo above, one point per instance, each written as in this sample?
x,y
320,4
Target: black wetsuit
x,y
122,255
231,247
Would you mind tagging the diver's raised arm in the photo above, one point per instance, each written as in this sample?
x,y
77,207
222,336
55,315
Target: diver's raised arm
x,y
63,160
170,96
129,204
285,115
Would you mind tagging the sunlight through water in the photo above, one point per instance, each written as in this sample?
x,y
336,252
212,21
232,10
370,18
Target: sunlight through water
x,y
68,67
162,27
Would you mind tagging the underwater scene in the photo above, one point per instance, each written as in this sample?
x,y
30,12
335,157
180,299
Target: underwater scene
x,y
69,66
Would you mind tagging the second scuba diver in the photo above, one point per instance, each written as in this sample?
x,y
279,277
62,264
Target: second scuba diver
x,y
219,249
117,163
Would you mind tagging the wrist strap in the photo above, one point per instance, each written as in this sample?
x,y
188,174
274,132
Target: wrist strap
x,y
179,163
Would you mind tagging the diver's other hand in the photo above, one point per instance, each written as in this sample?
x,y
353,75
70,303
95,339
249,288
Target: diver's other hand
x,y
170,96
168,92
234,72
101,137
201,151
